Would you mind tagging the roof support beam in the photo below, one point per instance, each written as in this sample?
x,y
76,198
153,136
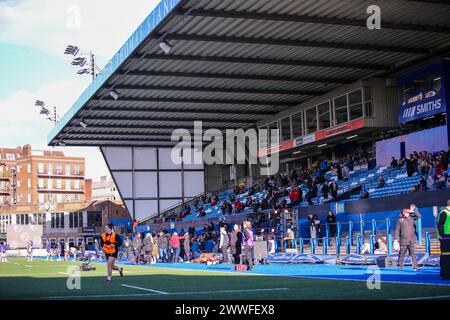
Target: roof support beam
x,y
311,19
219,90
167,119
281,62
292,43
144,127
256,77
180,111
199,101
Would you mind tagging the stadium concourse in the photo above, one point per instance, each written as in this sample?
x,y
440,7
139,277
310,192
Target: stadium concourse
x,y
361,113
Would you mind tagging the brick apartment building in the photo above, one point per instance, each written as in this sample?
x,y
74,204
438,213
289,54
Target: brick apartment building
x,y
37,177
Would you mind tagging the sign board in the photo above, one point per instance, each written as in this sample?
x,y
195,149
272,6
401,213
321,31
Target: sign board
x,y
421,109
88,230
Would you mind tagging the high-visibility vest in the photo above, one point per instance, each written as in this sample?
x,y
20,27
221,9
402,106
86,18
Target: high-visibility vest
x,y
111,238
447,220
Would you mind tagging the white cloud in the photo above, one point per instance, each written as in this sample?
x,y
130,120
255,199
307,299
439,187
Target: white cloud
x,y
22,124
104,25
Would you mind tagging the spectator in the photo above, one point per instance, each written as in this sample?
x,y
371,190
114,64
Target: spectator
x,y
381,183
187,248
289,238
137,247
405,237
191,230
331,220
148,248
224,244
365,195
270,245
380,246
295,197
248,244
334,189
236,244
175,245
394,163
162,246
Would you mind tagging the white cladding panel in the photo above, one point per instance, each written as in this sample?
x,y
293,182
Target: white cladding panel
x,y
145,159
194,156
145,185
124,181
166,204
165,159
193,183
170,184
145,208
118,158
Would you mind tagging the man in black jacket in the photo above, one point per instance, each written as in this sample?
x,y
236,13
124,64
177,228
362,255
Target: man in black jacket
x,y
405,236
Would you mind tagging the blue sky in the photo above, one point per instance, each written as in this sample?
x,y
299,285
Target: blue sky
x,y
33,36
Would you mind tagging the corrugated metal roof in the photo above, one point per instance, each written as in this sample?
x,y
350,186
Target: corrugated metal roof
x,y
248,59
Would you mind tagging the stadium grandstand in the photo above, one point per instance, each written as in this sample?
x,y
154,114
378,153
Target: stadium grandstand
x,y
361,116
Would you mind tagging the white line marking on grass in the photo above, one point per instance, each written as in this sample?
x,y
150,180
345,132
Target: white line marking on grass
x,y
65,273
144,289
27,266
167,293
424,298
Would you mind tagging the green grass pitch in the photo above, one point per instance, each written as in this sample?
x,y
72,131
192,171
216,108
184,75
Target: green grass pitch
x,y
48,280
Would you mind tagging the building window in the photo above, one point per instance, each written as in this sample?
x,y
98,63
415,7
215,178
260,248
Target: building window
x,y
41,198
68,170
76,170
75,219
275,138
29,183
22,219
29,198
76,184
340,109
67,184
19,182
94,218
38,218
29,168
58,169
311,120
58,184
41,168
286,129
5,221
368,101
41,183
297,125
324,115
57,220
67,197
355,104
76,197
50,169
19,168
59,198
49,184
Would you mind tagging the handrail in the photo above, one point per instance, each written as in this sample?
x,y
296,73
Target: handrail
x,y
419,231
372,242
300,240
338,245
325,245
428,242
312,242
347,244
389,243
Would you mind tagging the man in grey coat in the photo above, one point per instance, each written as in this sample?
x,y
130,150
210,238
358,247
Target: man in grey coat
x,y
405,236
224,244
162,246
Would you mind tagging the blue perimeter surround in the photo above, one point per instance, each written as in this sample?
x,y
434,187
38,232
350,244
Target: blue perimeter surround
x,y
425,276
162,10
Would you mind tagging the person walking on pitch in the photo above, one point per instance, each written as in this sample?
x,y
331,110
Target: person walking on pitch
x,y
111,243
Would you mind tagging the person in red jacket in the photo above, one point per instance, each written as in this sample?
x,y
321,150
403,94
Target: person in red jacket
x,y
174,243
294,195
237,206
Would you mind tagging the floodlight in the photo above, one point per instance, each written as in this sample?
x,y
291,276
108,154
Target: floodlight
x,y
165,46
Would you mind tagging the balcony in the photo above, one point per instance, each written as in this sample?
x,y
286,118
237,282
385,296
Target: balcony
x,y
60,174
5,175
59,190
5,191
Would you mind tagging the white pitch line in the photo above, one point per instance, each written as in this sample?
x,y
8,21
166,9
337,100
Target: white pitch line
x,y
65,273
27,266
144,289
172,293
424,298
